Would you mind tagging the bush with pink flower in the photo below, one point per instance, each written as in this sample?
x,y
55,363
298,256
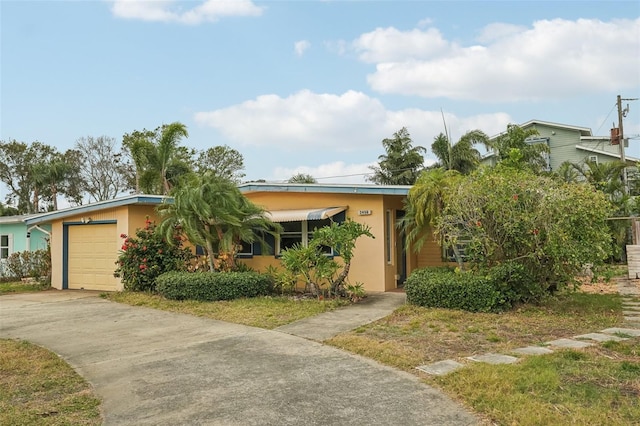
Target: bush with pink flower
x,y
147,255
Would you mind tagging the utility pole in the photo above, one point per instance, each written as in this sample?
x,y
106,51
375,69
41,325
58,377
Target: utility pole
x,y
621,145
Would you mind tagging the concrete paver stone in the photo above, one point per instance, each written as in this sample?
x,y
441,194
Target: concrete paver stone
x,y
494,358
635,332
568,344
600,337
533,350
441,368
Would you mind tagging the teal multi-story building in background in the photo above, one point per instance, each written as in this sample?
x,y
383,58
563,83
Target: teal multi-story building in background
x,y
568,143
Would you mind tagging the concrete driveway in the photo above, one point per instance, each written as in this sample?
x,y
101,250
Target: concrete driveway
x,y
158,368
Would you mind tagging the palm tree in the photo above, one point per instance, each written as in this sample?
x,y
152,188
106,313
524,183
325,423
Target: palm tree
x,y
513,149
403,162
159,159
302,178
213,213
425,202
461,156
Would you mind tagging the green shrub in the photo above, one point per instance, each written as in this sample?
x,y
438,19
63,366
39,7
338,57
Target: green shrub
x,y
210,286
35,264
445,288
513,281
146,256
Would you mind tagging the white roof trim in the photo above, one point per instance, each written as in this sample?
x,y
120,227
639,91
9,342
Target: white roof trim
x,y
609,154
304,214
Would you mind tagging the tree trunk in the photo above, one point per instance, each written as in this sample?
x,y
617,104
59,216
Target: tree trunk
x,y
212,267
337,284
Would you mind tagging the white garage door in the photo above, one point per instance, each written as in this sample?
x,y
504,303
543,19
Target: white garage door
x,y
93,251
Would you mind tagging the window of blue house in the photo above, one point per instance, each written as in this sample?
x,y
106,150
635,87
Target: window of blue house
x,y
5,245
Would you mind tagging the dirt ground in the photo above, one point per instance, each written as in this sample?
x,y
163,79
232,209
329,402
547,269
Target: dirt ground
x,y
603,286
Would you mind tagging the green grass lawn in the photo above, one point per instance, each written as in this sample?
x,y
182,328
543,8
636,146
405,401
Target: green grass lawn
x,y
39,388
20,287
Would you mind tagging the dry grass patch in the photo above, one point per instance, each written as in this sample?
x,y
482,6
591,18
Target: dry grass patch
x,y
599,385
37,387
263,312
421,335
596,386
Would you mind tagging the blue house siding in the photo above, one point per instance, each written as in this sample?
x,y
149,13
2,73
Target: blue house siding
x,y
16,236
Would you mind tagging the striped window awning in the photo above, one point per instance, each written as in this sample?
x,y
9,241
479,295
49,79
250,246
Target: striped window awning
x,y
304,214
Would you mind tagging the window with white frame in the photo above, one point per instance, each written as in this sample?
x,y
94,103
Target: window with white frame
x,y
593,159
245,249
300,233
6,245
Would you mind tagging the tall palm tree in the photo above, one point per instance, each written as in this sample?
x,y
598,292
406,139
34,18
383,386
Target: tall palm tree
x,y
461,156
214,214
402,163
158,157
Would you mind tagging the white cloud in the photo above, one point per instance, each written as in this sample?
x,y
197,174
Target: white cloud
x,y
552,59
169,11
308,123
390,44
301,46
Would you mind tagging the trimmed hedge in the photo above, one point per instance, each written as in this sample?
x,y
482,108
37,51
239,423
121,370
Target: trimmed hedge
x,y
445,288
211,286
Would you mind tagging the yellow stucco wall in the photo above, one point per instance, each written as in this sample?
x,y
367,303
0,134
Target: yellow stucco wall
x,y
369,264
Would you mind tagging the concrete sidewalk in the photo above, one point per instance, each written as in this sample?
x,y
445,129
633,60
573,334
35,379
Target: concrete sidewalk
x,y
152,367
326,325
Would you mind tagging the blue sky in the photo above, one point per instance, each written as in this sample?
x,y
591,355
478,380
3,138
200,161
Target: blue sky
x,y
310,86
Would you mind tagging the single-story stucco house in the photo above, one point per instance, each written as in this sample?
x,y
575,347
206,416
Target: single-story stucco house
x,y
85,240
381,264
17,236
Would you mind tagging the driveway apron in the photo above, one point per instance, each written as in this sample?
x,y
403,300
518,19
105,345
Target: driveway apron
x,y
153,367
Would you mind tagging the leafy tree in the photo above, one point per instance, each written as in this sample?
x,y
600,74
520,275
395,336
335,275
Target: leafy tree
x,y
159,159
550,228
605,177
302,178
425,202
343,237
402,162
318,269
36,174
461,156
103,167
213,213
512,149
17,160
221,161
